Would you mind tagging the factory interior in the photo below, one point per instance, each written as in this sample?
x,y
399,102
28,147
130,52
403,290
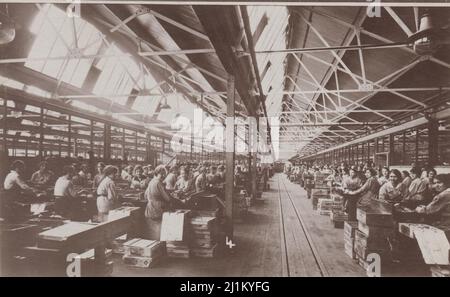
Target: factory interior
x,y
224,140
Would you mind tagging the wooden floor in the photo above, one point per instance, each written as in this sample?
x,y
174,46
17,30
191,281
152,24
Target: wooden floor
x,y
282,236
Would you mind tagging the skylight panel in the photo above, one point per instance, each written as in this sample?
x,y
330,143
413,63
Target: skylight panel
x,y
54,39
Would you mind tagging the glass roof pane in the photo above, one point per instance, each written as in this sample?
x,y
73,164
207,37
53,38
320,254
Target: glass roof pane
x,y
54,32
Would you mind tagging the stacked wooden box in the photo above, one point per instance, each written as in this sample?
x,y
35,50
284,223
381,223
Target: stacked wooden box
x,y
375,226
204,236
317,194
338,216
241,203
337,199
178,249
320,180
324,206
350,228
142,252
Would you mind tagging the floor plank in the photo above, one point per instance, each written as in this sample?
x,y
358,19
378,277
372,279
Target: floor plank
x,y
328,240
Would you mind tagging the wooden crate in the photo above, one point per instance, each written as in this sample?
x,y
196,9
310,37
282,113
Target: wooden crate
x,y
325,203
375,214
200,252
203,223
337,198
325,193
348,248
178,249
363,246
206,213
179,253
144,248
378,243
349,228
339,216
375,232
138,261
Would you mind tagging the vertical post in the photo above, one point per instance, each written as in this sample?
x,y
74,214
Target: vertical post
x,y
192,141
107,142
41,133
69,145
254,172
147,160
136,151
404,148
433,139
123,145
5,126
417,146
349,148
91,144
4,145
375,151
75,143
229,174
391,160
368,151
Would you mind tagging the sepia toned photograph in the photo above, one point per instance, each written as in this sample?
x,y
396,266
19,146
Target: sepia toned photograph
x,y
228,139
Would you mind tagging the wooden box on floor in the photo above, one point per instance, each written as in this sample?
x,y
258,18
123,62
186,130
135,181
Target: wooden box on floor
x,y
324,206
337,198
339,216
206,213
379,217
138,261
142,253
349,238
320,192
364,246
204,236
375,233
350,228
144,248
178,249
205,252
349,247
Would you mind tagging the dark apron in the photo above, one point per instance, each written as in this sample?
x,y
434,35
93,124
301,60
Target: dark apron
x,y
7,198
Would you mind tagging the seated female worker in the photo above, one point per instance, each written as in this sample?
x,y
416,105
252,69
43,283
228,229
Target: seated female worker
x,y
440,205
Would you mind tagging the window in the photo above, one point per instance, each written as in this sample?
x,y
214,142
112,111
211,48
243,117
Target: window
x,y
54,41
422,146
409,156
444,142
397,156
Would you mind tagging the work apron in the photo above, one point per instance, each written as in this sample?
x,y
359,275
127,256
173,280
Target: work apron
x,y
7,198
104,205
